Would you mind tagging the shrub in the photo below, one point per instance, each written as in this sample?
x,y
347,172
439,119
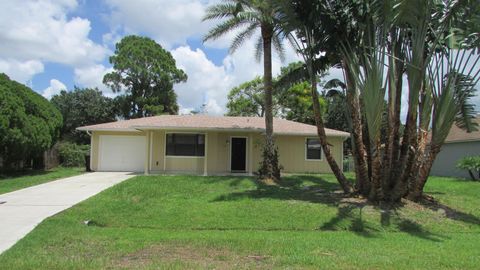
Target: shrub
x,y
471,164
73,155
270,168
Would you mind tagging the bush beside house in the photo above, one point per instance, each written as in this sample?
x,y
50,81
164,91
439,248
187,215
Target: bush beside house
x,y
72,154
472,165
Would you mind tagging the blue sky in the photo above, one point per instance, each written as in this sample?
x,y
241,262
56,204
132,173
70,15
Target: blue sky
x,y
97,13
52,45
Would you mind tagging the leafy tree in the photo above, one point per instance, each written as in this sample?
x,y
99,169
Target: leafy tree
x,y
145,73
297,105
293,103
336,114
249,16
294,93
82,107
29,124
247,99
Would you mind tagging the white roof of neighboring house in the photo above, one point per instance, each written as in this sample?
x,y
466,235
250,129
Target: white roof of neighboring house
x,y
205,122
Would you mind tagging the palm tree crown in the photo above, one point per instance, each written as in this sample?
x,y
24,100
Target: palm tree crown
x,y
247,17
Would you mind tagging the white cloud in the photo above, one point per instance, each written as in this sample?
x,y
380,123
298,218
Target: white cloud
x,y
34,32
207,83
92,76
212,107
21,71
168,22
55,88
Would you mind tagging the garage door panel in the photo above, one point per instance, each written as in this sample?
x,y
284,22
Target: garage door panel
x,y
121,153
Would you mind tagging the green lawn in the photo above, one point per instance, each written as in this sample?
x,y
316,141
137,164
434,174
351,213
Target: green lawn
x,y
185,222
25,179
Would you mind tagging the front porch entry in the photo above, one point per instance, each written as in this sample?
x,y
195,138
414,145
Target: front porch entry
x,y
238,154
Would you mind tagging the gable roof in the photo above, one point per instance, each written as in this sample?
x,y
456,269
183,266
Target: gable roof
x,y
205,122
459,135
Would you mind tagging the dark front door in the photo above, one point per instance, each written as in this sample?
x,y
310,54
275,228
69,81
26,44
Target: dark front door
x,y
239,154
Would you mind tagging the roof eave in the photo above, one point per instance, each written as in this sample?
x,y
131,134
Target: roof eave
x,y
107,129
196,128
261,130
463,141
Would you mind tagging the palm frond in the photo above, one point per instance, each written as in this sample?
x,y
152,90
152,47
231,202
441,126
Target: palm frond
x,y
334,83
426,105
223,28
242,37
464,92
373,99
334,93
278,46
259,49
292,75
221,11
444,112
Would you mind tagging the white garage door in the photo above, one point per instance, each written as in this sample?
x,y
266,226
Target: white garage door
x,y
121,153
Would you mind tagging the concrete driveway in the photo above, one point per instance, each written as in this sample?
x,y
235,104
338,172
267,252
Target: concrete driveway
x,y
22,210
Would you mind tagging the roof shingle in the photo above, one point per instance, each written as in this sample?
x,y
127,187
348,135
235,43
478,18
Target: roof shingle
x,y
205,122
459,135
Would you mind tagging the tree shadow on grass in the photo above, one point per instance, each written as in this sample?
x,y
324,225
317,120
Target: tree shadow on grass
x,y
16,174
233,181
356,222
450,213
291,189
350,211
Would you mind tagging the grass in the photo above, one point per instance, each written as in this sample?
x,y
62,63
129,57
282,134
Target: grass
x,y
18,180
187,222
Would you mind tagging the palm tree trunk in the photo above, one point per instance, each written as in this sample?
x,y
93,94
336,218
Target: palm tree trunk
x,y
267,80
408,150
272,170
394,105
416,193
322,137
363,184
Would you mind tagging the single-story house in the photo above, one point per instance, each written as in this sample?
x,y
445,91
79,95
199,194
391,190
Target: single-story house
x,y
458,144
208,145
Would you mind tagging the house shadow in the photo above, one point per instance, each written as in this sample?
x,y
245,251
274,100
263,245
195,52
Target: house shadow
x,y
291,188
350,211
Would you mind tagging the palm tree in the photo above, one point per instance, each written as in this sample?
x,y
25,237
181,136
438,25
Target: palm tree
x,y
248,17
434,44
304,35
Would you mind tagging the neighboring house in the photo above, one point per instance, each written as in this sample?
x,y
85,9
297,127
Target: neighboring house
x,y
208,145
458,144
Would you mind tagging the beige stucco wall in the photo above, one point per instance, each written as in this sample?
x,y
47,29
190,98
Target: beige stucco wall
x,y
292,154
291,151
